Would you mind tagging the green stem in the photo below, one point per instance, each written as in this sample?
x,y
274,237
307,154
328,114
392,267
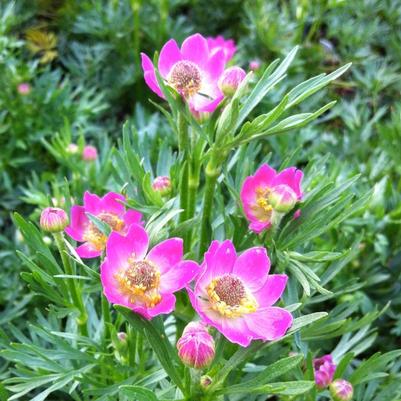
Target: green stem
x,y
183,145
212,171
72,284
193,190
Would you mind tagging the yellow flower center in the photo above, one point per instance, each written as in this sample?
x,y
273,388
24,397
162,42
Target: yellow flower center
x,y
262,209
96,237
228,296
185,77
140,282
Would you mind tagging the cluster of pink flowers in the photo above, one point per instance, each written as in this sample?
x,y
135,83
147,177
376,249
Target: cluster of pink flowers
x,y
195,71
233,293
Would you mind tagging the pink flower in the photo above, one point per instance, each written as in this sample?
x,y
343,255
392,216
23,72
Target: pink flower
x,y
235,294
268,194
53,219
231,80
89,153
341,390
142,281
196,346
24,88
109,210
193,71
254,65
219,43
324,370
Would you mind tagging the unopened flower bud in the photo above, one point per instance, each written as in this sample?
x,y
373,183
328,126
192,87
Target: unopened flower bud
x,y
24,88
254,65
341,390
122,336
89,153
72,148
205,381
162,184
196,346
53,220
324,370
231,79
282,198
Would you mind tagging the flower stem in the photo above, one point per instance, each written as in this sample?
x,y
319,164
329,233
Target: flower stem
x,y
212,171
72,284
106,316
183,144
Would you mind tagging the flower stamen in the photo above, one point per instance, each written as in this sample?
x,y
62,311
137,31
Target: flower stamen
x,y
140,282
229,297
185,77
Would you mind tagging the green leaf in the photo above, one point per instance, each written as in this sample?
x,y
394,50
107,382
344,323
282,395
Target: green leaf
x,y
139,393
101,225
291,388
265,84
158,340
273,371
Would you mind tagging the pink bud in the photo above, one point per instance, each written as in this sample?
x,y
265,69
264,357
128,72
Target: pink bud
x,y
254,65
162,184
282,198
341,390
324,370
24,88
297,214
231,79
122,336
53,219
90,153
196,346
72,149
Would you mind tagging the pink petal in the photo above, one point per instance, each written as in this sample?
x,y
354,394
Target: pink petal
x,y
236,331
166,254
112,202
223,260
202,104
252,266
79,221
195,49
166,305
150,75
178,276
86,251
151,81
259,226
215,65
218,260
248,194
169,55
272,290
264,176
291,177
132,217
110,285
120,248
269,323
147,64
92,203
